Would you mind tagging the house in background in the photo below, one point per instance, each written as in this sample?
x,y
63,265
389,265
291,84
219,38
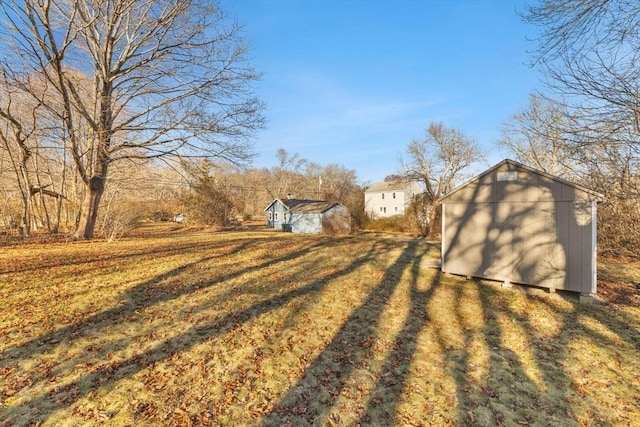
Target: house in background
x,y
519,225
308,216
384,199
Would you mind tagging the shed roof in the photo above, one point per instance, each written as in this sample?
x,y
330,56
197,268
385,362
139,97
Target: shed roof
x,y
528,169
305,205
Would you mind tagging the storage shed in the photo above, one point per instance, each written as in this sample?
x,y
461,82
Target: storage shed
x,y
308,216
519,225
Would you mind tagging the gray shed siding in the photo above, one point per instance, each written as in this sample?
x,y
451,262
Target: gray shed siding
x,y
519,225
308,216
317,222
275,214
305,222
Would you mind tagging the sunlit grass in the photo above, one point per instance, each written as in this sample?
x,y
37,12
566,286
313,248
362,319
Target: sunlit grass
x,y
265,328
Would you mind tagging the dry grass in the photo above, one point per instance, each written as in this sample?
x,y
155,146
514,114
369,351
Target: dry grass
x,y
265,328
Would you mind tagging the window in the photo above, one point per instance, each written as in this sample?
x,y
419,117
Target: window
x,y
270,216
385,210
382,196
284,217
275,216
380,208
396,209
394,195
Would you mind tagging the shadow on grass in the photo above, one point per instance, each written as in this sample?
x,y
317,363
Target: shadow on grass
x,y
527,378
104,375
151,292
175,246
311,400
531,376
391,382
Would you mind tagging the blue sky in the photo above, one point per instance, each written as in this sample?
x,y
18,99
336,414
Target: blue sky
x,y
353,82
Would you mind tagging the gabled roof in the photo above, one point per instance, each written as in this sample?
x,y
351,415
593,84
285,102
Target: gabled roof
x,y
528,169
391,186
304,205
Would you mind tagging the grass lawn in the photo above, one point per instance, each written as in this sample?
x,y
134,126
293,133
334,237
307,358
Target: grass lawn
x,y
267,328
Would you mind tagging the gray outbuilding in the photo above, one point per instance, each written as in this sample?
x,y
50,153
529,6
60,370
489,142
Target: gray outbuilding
x,y
308,216
519,225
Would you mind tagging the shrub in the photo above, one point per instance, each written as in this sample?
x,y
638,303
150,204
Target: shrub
x,y
118,219
397,223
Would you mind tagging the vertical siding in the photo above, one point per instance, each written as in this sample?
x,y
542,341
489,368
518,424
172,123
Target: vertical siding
x,y
502,238
583,233
445,239
563,216
306,223
460,223
524,227
279,209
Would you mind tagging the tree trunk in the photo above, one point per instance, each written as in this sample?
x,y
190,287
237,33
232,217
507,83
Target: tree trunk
x,y
433,216
27,207
24,228
89,210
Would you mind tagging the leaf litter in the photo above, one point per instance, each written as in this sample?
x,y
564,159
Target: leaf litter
x,y
263,328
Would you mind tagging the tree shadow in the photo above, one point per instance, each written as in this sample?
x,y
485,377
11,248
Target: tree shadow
x,y
107,372
391,381
526,376
152,292
531,376
175,246
534,229
312,398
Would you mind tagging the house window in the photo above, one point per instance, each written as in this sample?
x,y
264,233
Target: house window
x,y
284,217
394,195
384,210
382,196
275,216
396,209
380,208
270,216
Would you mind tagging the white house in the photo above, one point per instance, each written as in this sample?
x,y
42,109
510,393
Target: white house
x,y
384,199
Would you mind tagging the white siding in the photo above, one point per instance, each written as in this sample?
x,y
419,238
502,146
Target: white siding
x,y
382,204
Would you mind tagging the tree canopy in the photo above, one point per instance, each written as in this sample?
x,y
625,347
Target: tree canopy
x,y
589,50
129,79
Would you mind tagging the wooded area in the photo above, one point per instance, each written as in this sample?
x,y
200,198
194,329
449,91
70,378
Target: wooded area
x,y
586,125
90,87
97,131
206,193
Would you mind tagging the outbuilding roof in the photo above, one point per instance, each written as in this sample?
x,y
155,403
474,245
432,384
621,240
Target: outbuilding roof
x,y
593,193
305,205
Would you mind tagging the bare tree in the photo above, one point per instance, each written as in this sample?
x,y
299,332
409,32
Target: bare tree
x,y
438,161
287,173
167,77
590,52
538,136
19,120
545,136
